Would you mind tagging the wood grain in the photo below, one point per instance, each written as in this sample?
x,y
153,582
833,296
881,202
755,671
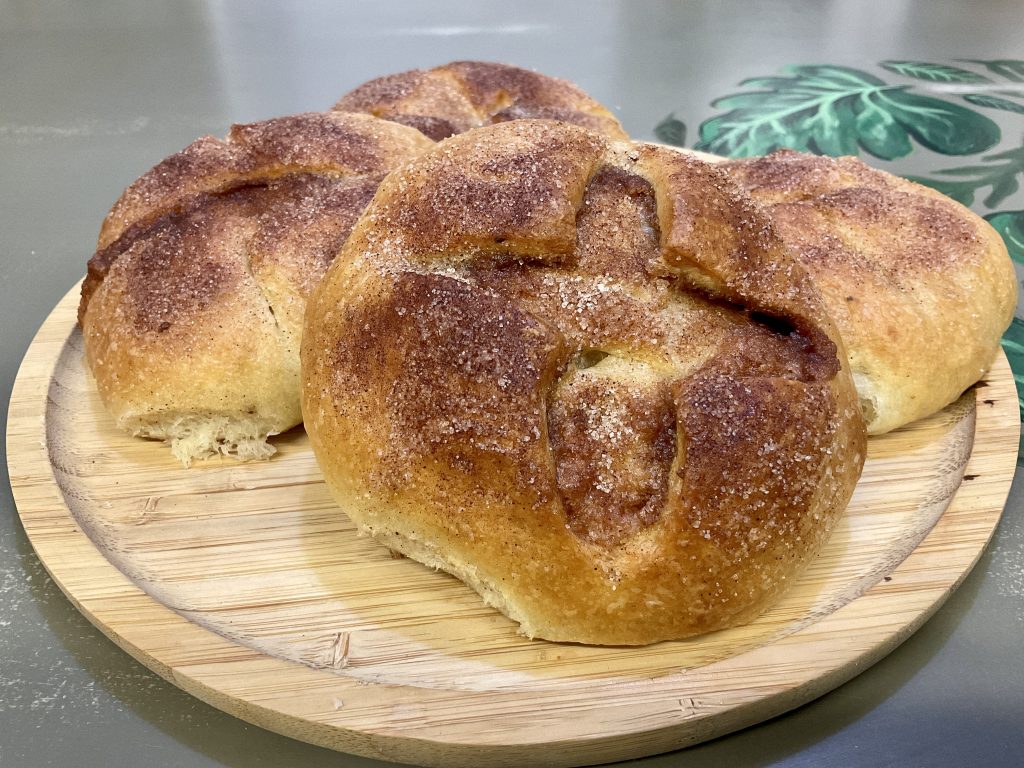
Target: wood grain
x,y
246,586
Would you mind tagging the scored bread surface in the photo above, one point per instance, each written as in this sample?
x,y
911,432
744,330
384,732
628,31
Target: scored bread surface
x,y
920,287
192,308
456,97
584,377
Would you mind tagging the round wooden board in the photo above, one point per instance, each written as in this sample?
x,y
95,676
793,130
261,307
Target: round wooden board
x,y
246,586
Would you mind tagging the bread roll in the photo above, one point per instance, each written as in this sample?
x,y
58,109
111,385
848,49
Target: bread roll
x,y
192,309
584,377
921,288
447,100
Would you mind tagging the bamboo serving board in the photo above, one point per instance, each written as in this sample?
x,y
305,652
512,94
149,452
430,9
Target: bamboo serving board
x,y
244,585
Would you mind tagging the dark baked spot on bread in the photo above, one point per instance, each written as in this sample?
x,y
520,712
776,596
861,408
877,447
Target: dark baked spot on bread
x,y
179,266
488,362
317,170
592,311
929,232
510,93
517,112
304,219
167,189
374,96
840,212
769,347
453,98
172,182
613,441
493,85
436,128
787,174
96,271
751,446
299,223
717,241
163,240
517,202
314,141
618,230
478,206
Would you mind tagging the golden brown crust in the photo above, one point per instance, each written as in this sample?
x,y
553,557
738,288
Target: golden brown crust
x,y
566,389
193,303
920,287
456,97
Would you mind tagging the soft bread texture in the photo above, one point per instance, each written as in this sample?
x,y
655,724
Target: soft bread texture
x,y
456,97
584,377
192,308
920,287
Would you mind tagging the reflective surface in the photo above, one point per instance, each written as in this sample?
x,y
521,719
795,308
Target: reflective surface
x,y
93,94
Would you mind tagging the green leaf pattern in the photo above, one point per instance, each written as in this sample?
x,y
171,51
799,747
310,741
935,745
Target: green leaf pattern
x,y
994,102
671,130
1008,69
936,73
1000,174
837,111
1010,226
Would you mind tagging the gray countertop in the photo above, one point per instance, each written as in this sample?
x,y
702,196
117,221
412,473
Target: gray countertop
x,y
93,94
